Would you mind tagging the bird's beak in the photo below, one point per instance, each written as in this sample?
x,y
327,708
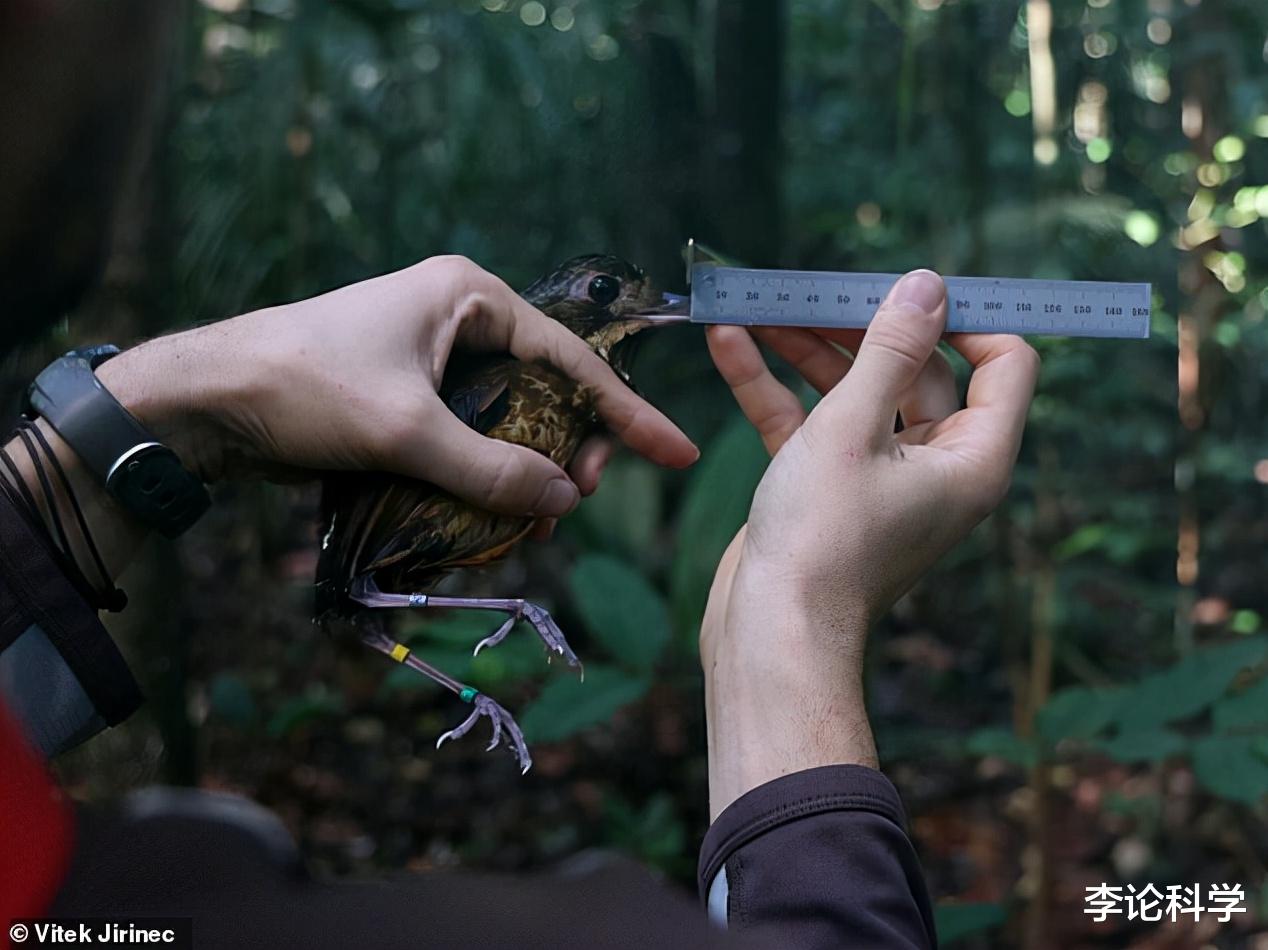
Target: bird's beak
x,y
674,308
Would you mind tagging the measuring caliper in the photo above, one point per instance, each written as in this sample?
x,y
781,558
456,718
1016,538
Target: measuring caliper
x,y
794,298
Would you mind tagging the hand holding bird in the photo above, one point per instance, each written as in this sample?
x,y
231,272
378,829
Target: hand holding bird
x,y
389,539
350,380
468,403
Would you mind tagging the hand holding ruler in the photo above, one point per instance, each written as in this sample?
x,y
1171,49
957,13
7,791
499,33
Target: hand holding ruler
x,y
755,297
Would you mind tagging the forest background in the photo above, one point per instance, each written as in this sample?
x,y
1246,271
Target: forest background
x,y
1073,697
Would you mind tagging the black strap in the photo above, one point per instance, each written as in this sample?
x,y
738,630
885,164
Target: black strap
x,y
144,475
49,600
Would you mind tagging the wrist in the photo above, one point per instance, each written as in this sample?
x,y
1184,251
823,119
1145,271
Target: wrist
x,y
763,727
181,390
783,687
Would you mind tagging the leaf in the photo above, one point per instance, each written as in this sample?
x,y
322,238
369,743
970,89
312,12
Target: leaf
x,y
402,679
230,699
957,921
1245,622
624,514
568,705
715,506
1078,713
621,609
315,704
1120,546
461,629
1232,767
655,833
1150,745
1189,686
518,658
1004,744
1245,710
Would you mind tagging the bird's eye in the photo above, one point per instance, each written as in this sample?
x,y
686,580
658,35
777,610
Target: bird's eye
x,y
604,289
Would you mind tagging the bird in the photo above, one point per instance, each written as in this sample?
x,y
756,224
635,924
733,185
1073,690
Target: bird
x,y
387,539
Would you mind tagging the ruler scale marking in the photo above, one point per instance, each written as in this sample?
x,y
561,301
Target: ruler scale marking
x,y
975,304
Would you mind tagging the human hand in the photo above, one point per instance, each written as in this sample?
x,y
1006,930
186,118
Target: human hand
x,y
349,380
848,515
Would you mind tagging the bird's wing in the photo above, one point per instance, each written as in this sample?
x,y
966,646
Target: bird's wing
x,y
410,532
482,399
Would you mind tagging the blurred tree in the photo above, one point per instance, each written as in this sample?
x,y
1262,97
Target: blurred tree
x,y
1075,694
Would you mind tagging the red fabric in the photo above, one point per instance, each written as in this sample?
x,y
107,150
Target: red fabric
x,y
36,827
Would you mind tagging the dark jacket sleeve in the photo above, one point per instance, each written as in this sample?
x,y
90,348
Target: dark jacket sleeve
x,y
818,859
61,675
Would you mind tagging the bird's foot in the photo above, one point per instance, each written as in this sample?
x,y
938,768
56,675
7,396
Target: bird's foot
x,y
365,592
541,621
505,729
497,636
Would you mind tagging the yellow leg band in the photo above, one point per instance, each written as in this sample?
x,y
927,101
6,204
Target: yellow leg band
x,y
399,653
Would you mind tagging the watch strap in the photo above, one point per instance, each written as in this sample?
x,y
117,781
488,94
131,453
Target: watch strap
x,y
144,475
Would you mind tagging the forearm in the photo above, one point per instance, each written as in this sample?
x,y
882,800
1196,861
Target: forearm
x,y
116,534
808,843
783,682
177,387
783,721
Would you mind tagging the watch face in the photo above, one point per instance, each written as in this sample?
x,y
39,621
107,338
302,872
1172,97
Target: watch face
x,y
150,482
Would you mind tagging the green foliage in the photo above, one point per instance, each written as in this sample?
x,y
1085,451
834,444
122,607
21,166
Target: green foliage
x,y
315,704
956,922
315,144
1226,750
1233,767
621,609
654,833
624,516
446,641
231,699
1190,686
1004,744
1078,713
568,705
1143,745
1247,709
714,507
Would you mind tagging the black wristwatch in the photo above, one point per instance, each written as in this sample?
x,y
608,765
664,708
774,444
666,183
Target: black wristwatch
x,y
143,474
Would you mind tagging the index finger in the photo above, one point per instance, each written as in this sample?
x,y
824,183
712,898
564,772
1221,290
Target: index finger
x,y
528,334
1005,369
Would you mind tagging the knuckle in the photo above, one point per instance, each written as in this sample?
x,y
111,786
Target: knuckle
x,y
1031,356
454,262
454,270
471,305
895,340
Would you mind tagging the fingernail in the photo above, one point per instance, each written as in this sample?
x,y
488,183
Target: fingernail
x,y
923,288
559,498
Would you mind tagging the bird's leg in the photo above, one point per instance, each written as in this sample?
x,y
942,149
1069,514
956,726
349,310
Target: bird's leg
x,y
504,726
364,591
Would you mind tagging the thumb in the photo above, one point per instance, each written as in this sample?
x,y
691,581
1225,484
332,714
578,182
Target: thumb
x,y
898,343
493,475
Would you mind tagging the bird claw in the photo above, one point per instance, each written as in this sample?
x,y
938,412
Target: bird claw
x,y
550,633
497,636
504,729
551,636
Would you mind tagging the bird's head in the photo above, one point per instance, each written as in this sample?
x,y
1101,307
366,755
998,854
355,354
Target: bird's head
x,y
598,297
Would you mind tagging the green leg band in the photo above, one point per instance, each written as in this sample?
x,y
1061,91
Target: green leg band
x,y
468,694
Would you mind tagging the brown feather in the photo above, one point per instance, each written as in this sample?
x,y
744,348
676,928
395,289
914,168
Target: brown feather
x,y
409,533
